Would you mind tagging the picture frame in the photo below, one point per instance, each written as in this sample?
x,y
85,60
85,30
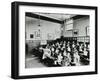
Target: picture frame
x,y
87,31
18,70
75,32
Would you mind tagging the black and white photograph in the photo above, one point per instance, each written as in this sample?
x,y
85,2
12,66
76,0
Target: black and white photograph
x,y
56,40
51,40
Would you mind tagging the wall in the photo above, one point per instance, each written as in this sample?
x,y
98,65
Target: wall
x,y
46,28
80,25
5,41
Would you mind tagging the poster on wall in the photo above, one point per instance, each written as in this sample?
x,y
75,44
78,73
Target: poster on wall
x,y
57,33
50,36
37,34
61,57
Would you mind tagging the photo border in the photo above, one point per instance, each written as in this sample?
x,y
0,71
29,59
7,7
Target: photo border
x,y
15,39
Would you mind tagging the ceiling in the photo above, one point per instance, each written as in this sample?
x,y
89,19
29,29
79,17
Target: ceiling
x,y
51,17
57,16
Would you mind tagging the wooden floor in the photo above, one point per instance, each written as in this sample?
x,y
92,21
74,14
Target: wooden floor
x,y
31,62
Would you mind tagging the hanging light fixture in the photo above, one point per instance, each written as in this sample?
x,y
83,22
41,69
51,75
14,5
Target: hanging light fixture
x,y
39,27
61,28
39,21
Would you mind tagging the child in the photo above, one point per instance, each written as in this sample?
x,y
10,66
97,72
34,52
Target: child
x,y
67,63
59,59
69,57
76,57
85,52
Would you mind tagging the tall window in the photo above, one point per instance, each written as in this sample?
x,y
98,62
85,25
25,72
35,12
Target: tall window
x,y
69,24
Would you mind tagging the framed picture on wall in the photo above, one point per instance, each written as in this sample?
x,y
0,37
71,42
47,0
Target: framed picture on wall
x,y
31,35
75,32
48,58
87,31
